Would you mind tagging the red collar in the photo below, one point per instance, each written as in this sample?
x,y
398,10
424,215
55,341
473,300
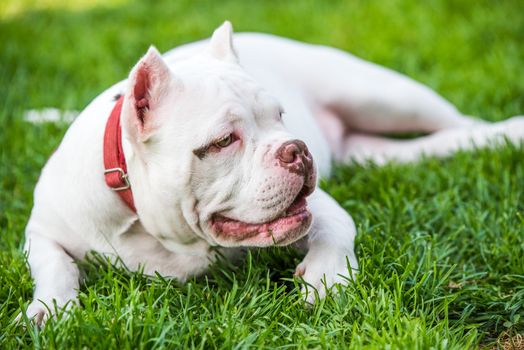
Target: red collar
x,y
114,159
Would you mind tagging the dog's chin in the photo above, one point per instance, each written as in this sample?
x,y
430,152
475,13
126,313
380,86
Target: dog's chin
x,y
287,228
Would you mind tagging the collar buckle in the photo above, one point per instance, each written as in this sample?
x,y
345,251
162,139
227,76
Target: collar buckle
x,y
123,177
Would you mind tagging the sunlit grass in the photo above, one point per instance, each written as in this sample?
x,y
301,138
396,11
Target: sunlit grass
x,y
9,8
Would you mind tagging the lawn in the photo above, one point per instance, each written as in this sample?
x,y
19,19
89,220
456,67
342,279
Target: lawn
x,y
440,244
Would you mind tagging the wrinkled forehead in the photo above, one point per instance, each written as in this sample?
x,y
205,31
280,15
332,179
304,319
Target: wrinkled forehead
x,y
223,92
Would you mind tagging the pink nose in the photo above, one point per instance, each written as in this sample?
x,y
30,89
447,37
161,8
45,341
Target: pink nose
x,y
294,156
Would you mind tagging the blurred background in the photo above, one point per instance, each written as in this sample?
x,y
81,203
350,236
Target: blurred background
x,y
62,53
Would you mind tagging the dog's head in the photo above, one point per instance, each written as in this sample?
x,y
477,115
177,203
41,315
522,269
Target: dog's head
x,y
208,154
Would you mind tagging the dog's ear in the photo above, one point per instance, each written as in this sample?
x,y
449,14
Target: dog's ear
x,y
148,84
221,44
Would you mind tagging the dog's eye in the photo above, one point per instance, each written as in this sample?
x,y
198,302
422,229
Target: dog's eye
x,y
225,141
281,114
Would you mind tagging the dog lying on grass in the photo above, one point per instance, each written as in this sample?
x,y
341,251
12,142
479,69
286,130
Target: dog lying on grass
x,y
215,147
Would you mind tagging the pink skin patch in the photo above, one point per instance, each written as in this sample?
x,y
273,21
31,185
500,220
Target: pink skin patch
x,y
141,92
299,271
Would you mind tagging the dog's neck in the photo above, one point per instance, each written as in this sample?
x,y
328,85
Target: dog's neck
x,y
116,176
115,167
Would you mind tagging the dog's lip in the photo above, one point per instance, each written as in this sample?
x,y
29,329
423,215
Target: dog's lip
x,y
291,219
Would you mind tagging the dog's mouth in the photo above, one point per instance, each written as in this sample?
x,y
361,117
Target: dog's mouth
x,y
285,229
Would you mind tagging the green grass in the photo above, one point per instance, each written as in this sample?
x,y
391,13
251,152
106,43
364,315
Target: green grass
x,y
440,242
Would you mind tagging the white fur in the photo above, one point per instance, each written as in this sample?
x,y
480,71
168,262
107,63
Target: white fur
x,y
199,93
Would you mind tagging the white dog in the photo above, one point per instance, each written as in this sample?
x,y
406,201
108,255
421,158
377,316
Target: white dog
x,y
204,151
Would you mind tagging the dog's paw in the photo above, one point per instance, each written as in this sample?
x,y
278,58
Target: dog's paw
x,y
321,274
39,311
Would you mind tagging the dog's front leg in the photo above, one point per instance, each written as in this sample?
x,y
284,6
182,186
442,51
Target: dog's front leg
x,y
330,247
55,275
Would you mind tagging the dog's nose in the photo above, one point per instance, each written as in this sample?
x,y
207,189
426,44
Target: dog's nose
x,y
289,151
294,156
